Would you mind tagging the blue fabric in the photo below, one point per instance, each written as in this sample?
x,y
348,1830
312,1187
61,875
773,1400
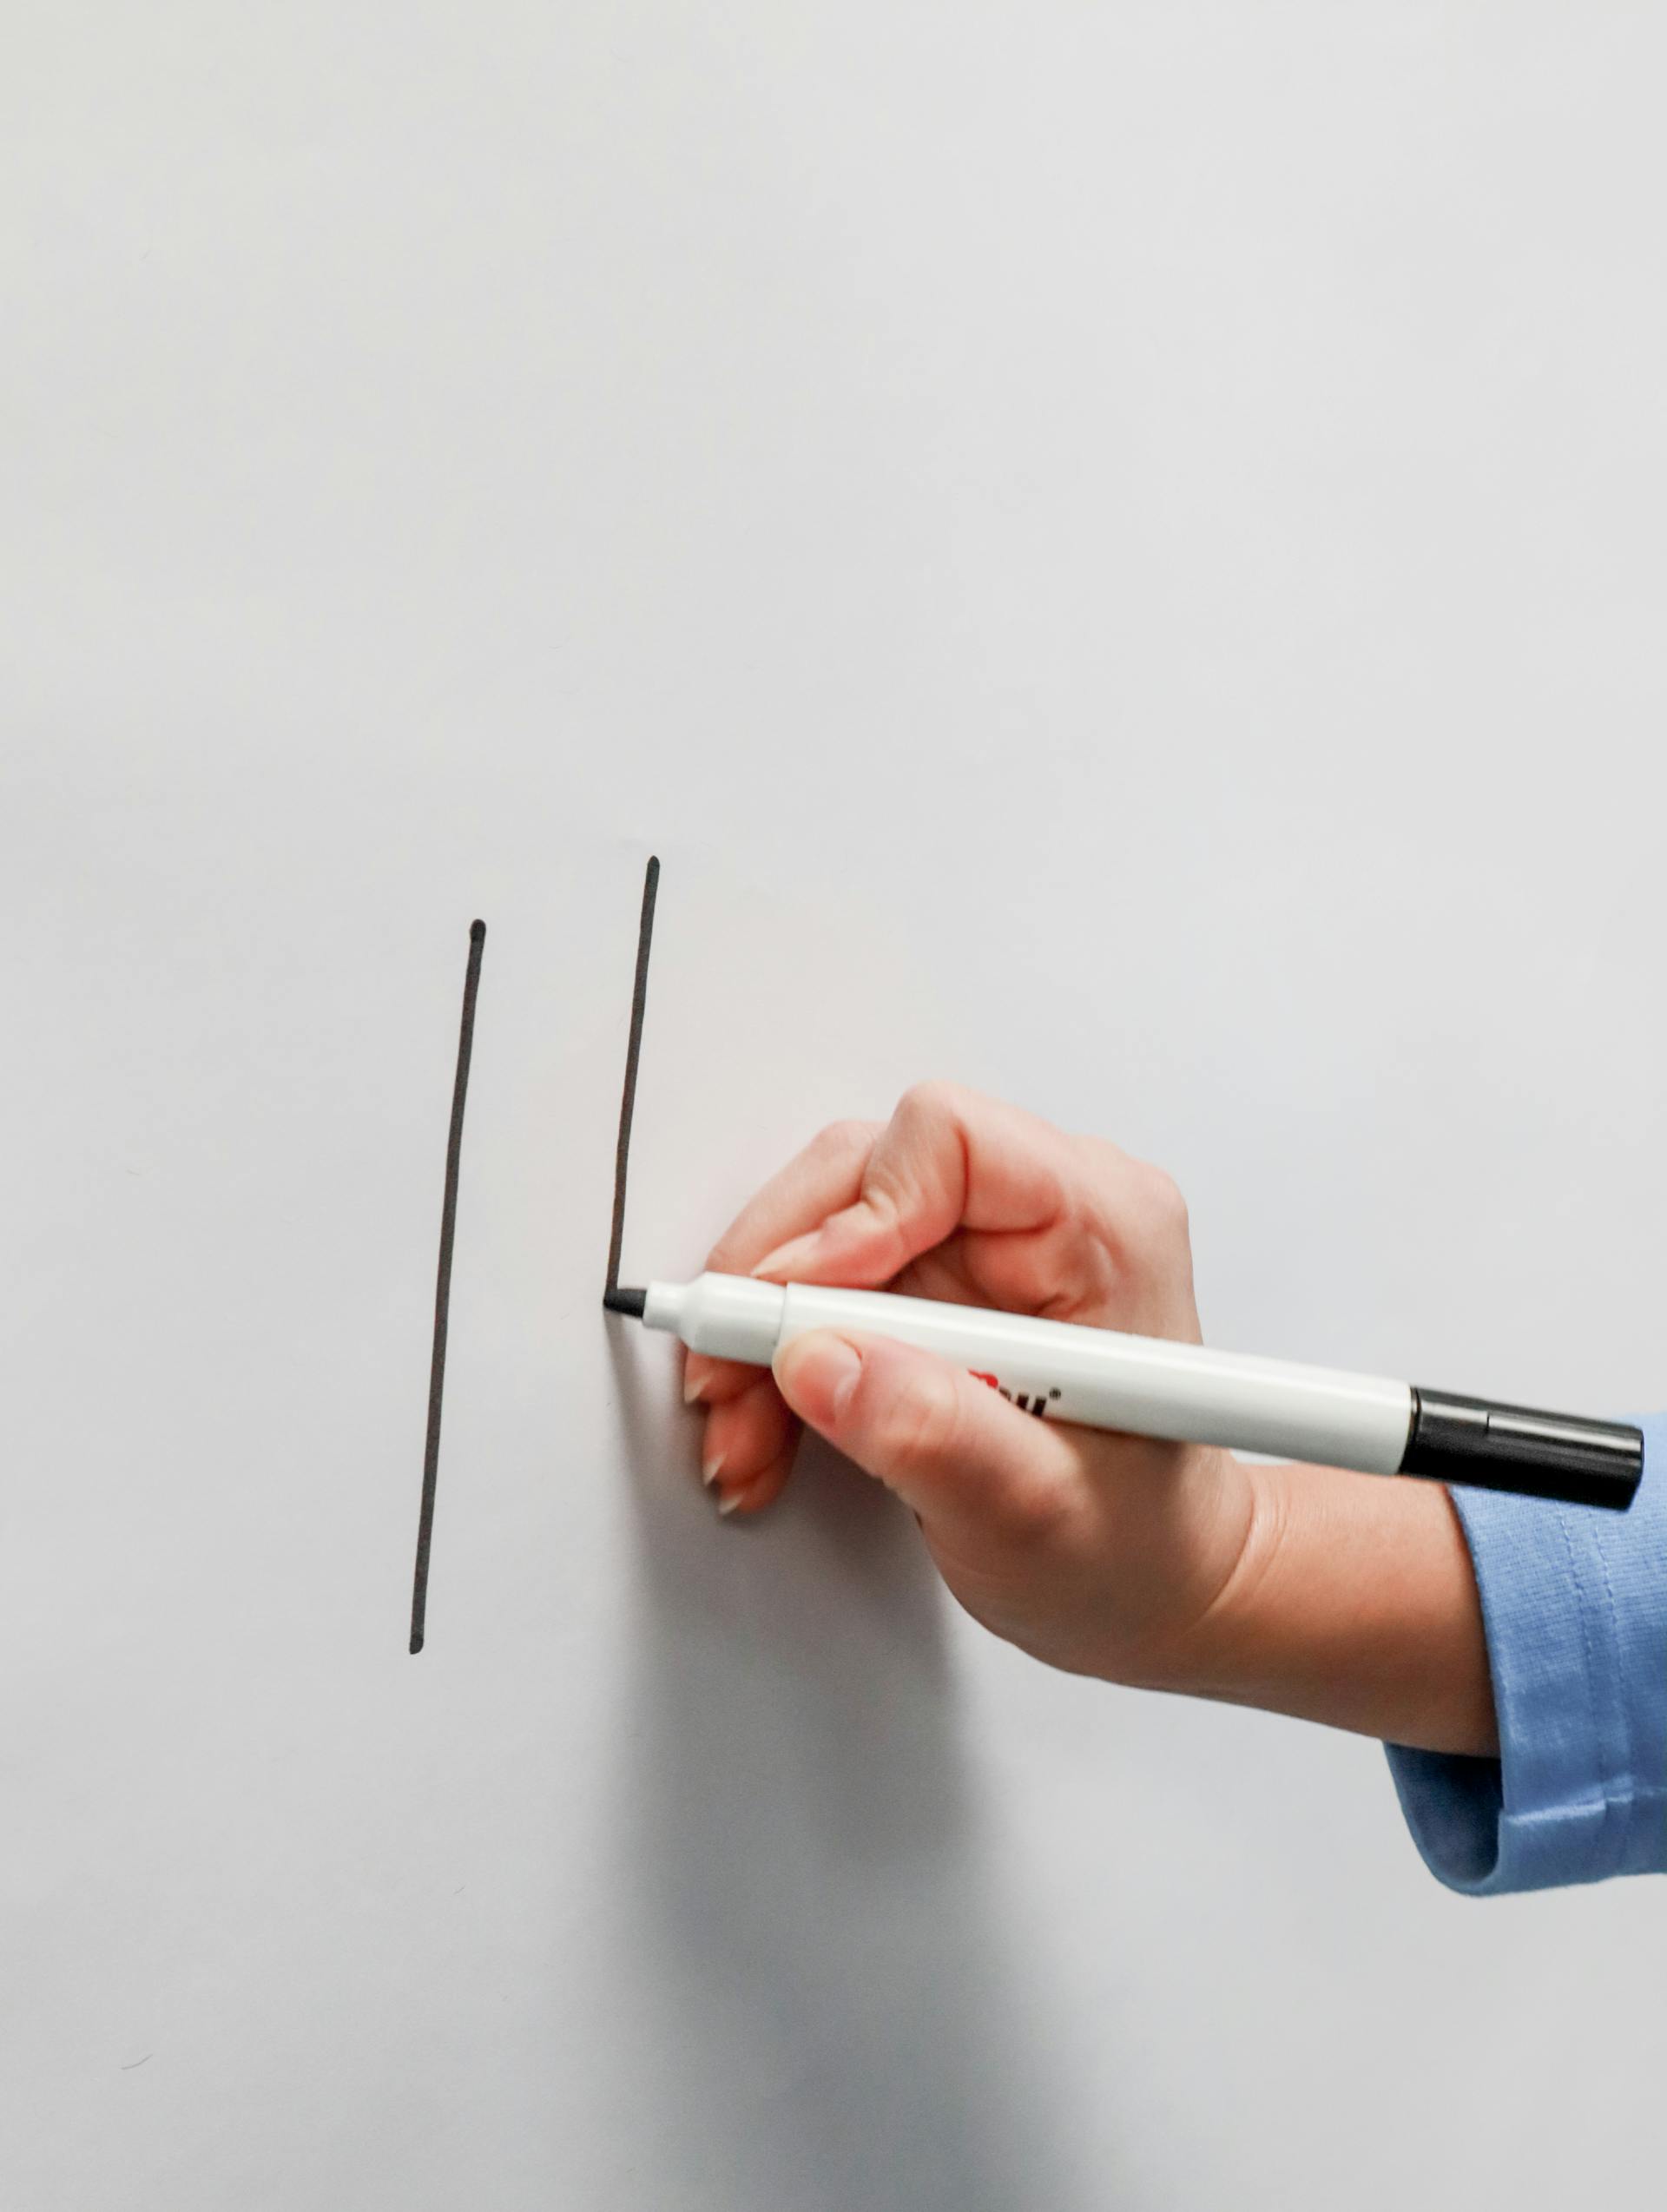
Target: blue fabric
x,y
1574,1602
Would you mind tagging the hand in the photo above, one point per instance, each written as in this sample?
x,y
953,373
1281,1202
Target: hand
x,y
1099,1553
1311,1590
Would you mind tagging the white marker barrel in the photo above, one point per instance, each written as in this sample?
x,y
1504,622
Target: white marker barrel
x,y
1147,1385
1063,1372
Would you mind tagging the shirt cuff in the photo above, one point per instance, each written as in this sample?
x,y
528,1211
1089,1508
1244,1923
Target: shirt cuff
x,y
1574,1607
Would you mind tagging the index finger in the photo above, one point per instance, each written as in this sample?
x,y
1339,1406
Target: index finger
x,y
947,1159
819,1180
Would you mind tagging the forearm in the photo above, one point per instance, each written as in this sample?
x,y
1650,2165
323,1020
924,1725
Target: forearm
x,y
1353,1604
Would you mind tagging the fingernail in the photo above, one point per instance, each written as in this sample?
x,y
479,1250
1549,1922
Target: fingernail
x,y
693,1388
786,1257
818,1372
711,1469
728,1503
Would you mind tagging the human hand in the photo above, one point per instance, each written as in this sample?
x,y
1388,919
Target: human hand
x,y
1104,1554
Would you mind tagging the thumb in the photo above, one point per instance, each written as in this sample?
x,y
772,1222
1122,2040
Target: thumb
x,y
962,1456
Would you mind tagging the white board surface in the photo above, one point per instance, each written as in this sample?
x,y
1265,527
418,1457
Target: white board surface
x,y
1116,558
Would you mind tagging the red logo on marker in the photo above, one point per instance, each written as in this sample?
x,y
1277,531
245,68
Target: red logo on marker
x,y
1026,1401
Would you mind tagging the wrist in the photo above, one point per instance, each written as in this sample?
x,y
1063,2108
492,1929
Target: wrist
x,y
1223,1650
1351,1600
1209,1646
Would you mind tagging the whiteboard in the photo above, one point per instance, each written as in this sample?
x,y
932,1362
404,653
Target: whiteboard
x,y
1115,557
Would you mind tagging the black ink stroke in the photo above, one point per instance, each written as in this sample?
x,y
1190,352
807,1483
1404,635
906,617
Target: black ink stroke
x,y
615,1299
443,1286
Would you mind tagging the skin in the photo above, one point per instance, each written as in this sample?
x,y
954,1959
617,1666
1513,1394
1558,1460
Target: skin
x,y
1309,1590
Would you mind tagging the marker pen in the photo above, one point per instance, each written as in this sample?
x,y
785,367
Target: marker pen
x,y
1061,1371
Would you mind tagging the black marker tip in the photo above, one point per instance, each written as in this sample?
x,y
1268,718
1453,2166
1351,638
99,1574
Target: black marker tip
x,y
477,932
416,1645
625,1302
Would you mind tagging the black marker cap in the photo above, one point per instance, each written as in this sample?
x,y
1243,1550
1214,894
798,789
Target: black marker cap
x,y
1474,1442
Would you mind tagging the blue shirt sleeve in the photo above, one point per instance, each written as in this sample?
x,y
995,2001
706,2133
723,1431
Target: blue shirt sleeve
x,y
1574,1603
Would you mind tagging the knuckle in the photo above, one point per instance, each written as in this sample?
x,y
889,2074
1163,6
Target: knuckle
x,y
932,1100
843,1139
1164,1196
1105,1156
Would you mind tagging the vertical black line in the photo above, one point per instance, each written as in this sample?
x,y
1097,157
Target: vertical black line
x,y
443,1286
633,1053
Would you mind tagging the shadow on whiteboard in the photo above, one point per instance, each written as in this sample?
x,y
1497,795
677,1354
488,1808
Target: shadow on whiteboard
x,y
800,1846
